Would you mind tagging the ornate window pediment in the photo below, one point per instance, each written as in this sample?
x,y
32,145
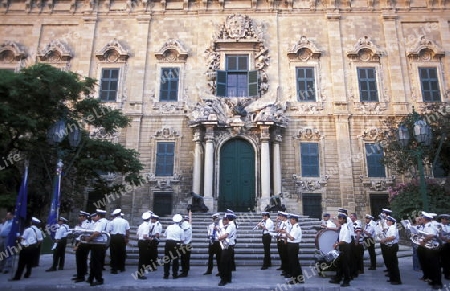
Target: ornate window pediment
x,y
172,51
372,134
425,50
304,50
11,51
166,133
364,50
113,52
55,52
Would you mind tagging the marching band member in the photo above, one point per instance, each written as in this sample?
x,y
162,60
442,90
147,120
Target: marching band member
x,y
119,229
432,262
283,229
59,252
357,246
381,230
81,250
154,233
174,238
326,222
391,249
369,241
267,227
228,233
97,250
28,242
214,244
144,253
345,239
186,254
294,238
444,236
40,238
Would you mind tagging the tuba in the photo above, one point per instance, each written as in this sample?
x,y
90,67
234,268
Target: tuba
x,y
224,244
419,237
83,233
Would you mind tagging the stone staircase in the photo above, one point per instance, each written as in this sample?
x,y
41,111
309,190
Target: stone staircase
x,y
248,250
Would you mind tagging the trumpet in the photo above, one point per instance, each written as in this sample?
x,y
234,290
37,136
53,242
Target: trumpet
x,y
259,224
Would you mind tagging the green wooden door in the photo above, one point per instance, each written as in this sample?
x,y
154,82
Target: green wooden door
x,y
237,176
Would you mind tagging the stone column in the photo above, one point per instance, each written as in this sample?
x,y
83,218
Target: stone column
x,y
265,167
277,165
197,171
209,167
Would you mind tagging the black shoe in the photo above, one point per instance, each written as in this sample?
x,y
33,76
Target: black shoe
x,y
78,280
372,268
166,277
396,283
385,271
114,272
61,268
218,274
447,277
96,283
183,275
345,284
334,281
26,275
207,273
50,270
142,278
175,276
5,272
280,268
264,268
14,279
222,283
122,270
436,287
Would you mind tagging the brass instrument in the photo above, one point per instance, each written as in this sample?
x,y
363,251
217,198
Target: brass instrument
x,y
83,233
258,225
224,244
444,236
417,236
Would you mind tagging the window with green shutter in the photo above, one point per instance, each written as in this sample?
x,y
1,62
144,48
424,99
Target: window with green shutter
x,y
109,85
367,85
237,80
430,85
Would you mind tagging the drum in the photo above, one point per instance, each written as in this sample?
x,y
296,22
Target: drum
x,y
325,239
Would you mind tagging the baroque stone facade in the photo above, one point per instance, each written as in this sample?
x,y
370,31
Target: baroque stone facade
x,y
266,127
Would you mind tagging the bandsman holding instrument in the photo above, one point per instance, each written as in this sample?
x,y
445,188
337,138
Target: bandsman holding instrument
x,y
343,245
143,245
35,223
444,236
174,239
369,241
186,253
81,250
214,244
154,233
391,248
227,236
294,237
267,227
431,260
98,249
28,242
283,227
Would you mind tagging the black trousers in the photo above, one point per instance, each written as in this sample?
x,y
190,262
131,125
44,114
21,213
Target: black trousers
x,y
81,256
25,261
226,264
343,262
294,267
433,264
186,258
96,264
171,254
370,243
422,261
282,251
153,254
383,253
118,252
392,263
445,260
37,255
144,256
214,249
359,258
266,239
59,254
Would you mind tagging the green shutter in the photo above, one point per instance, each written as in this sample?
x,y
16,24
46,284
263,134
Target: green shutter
x,y
253,88
221,83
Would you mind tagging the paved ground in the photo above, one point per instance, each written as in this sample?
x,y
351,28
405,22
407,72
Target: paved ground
x,y
246,278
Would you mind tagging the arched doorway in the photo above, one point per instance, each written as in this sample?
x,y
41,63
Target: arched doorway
x,y
237,176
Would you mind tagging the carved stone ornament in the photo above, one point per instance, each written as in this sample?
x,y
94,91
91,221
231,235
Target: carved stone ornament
x,y
11,51
425,50
377,184
371,134
304,50
166,133
172,51
370,107
239,27
310,184
55,52
308,133
113,52
100,133
364,50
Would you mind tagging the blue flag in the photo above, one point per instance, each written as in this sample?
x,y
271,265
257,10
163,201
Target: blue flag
x,y
20,213
54,207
